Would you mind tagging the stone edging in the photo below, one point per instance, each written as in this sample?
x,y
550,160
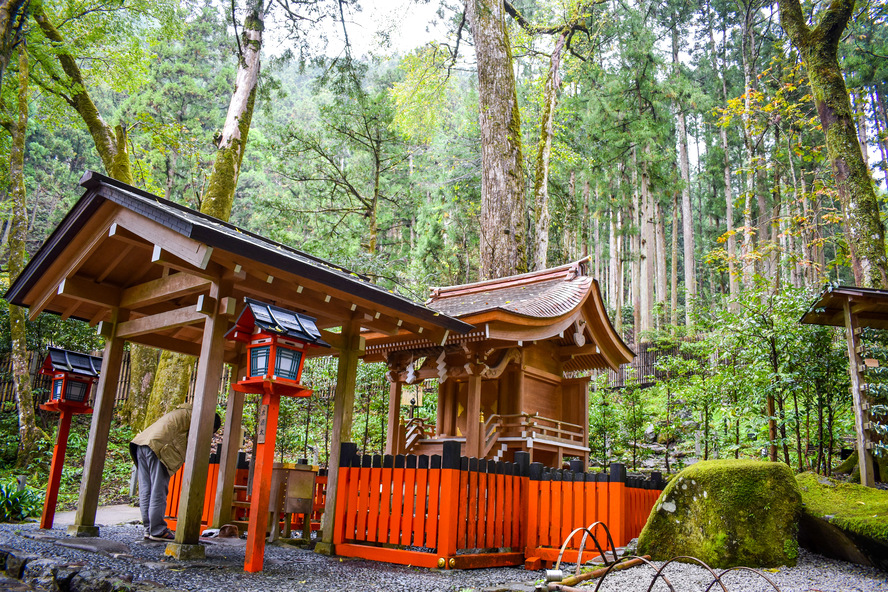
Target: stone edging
x,y
55,575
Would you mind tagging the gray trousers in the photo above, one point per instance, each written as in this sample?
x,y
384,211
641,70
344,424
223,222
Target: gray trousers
x,y
154,479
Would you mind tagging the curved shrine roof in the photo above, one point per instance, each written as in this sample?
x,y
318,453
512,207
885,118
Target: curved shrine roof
x,y
562,304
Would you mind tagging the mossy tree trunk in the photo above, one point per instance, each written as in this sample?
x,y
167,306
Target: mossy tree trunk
x,y
111,145
503,225
819,51
12,17
174,370
143,367
110,140
29,434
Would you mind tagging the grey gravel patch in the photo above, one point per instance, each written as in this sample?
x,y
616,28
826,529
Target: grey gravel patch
x,y
289,568
96,545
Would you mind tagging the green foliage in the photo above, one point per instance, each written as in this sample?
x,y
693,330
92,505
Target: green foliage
x,y
18,505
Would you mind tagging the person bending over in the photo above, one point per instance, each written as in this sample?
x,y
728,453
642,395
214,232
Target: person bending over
x,y
159,451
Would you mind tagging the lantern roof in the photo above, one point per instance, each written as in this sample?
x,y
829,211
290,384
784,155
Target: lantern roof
x,y
62,360
274,319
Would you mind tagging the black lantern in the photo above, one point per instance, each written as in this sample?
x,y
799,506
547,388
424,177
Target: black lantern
x,y
73,377
277,340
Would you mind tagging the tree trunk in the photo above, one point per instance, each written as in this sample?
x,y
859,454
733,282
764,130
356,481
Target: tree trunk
x,y
674,271
819,51
878,117
749,54
219,196
29,433
544,153
110,141
503,227
690,276
659,227
174,370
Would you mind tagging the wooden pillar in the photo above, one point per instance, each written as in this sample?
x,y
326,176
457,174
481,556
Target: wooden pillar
x,y
97,447
864,456
234,415
473,412
352,347
393,442
443,405
200,434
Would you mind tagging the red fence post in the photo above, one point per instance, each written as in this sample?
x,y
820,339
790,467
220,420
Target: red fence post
x,y
616,520
347,452
447,513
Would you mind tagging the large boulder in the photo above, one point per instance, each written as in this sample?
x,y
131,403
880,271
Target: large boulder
x,y
844,520
726,513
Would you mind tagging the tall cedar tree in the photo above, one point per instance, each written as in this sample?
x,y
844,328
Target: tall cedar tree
x,y
503,225
819,50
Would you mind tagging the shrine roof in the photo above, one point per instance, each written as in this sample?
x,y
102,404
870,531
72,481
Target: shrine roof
x,y
541,294
868,305
122,249
561,304
62,360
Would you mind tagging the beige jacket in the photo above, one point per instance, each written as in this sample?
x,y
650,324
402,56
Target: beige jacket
x,y
168,437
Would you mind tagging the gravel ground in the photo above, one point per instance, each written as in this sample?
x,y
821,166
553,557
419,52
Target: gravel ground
x,y
289,569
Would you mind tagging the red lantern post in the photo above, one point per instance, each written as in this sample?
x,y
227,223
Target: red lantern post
x,y
73,376
277,340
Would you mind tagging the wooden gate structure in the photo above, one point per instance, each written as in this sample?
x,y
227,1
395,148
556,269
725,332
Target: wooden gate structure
x,y
450,511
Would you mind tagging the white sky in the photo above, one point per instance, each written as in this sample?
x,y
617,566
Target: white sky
x,y
381,27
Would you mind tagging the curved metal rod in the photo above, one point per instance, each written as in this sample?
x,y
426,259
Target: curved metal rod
x,y
588,531
646,562
693,559
738,568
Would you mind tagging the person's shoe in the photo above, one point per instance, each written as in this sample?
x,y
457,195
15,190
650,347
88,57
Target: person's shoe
x,y
166,535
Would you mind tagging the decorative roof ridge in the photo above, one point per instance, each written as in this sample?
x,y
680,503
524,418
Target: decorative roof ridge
x,y
567,271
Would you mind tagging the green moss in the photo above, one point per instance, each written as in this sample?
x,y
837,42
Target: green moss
x,y
858,509
727,513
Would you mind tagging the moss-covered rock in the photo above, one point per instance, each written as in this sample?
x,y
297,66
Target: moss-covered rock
x,y
844,520
851,467
727,513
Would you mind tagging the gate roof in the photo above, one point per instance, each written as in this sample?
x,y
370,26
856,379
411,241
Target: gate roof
x,y
122,247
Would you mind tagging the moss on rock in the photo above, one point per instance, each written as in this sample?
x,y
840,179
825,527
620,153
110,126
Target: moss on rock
x,y
727,513
853,508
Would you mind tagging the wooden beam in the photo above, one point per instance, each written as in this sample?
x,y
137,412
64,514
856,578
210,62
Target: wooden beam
x,y
73,266
188,315
162,290
121,255
189,250
85,290
168,343
231,435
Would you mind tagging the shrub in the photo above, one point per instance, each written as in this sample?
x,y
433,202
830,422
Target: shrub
x,y
17,505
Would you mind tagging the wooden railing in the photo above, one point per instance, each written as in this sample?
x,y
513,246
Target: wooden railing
x,y
528,424
416,429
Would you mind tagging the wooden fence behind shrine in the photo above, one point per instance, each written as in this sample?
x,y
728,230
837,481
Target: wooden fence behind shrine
x,y
457,512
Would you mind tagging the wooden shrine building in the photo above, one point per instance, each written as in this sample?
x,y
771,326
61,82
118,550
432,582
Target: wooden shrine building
x,y
149,271
507,385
